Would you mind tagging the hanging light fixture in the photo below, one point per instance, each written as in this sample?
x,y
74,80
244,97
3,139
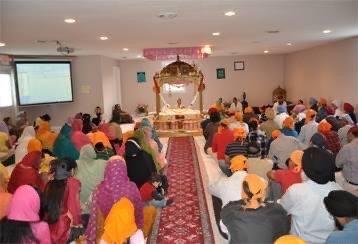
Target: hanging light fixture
x,y
2,43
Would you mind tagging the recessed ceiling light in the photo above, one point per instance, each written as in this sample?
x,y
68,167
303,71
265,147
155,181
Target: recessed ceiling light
x,y
70,21
289,44
167,15
230,13
125,49
266,51
216,33
326,31
103,38
2,44
272,31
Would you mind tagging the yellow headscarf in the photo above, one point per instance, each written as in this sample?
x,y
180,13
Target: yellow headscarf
x,y
34,145
238,163
99,136
120,222
4,177
289,239
257,186
3,140
127,135
45,164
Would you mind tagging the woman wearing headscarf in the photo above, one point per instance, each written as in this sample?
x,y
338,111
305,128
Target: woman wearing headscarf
x,y
90,172
62,200
4,195
249,114
64,146
26,172
78,138
21,149
142,136
120,225
23,223
115,185
45,135
6,152
140,165
99,137
252,216
146,123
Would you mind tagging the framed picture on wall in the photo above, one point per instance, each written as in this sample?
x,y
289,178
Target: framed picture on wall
x,y
239,65
220,73
141,77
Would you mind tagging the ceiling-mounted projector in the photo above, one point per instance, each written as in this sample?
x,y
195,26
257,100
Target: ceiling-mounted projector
x,y
65,50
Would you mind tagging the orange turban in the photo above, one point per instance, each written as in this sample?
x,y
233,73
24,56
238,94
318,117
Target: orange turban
x,y
275,134
296,157
238,163
323,101
120,222
289,239
34,145
257,186
324,127
239,133
310,114
239,116
288,122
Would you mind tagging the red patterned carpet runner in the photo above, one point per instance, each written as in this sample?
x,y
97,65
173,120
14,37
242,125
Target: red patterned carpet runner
x,y
187,219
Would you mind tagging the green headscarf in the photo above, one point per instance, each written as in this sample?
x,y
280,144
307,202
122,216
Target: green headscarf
x,y
63,146
140,136
90,171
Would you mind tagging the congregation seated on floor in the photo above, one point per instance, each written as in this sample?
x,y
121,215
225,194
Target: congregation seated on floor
x,y
294,169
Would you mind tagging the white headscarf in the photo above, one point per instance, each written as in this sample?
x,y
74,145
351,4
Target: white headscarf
x,y
21,149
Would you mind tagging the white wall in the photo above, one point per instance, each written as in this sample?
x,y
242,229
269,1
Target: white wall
x,y
87,92
329,71
262,74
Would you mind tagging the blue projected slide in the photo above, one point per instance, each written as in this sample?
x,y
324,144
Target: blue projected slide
x,y
43,82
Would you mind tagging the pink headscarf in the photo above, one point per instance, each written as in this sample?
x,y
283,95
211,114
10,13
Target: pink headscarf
x,y
25,205
115,185
78,138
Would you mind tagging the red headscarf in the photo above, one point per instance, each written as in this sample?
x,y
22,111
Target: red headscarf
x,y
348,108
26,172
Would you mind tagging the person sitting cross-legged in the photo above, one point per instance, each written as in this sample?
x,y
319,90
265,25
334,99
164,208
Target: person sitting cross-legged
x,y
251,220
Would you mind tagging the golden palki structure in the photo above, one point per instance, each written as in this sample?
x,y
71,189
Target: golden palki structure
x,y
178,120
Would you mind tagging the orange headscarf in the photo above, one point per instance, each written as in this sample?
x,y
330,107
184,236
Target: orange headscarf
x,y
288,123
275,134
257,186
45,135
120,222
238,163
127,135
324,127
239,133
34,145
99,136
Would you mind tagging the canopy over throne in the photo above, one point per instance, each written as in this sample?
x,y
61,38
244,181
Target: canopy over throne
x,y
176,73
179,72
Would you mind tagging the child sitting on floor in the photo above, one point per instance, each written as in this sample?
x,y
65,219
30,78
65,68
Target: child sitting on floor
x,y
154,191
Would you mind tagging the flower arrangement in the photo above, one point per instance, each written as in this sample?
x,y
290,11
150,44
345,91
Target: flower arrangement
x,y
142,109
